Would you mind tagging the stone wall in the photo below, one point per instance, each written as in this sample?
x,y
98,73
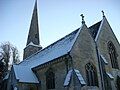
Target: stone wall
x,y
83,52
27,86
105,36
60,70
29,50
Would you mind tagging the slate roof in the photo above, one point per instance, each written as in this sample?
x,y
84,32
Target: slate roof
x,y
104,59
69,75
50,53
55,50
24,74
94,29
6,77
68,78
80,78
23,71
110,75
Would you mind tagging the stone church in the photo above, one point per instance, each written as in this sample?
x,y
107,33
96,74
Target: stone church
x,y
86,59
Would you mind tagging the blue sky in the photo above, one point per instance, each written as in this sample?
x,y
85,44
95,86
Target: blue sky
x,y
56,18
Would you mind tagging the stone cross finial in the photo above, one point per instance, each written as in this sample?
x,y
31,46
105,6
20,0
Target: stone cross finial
x,y
103,13
82,18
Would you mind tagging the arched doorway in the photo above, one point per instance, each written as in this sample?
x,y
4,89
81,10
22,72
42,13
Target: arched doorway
x,y
118,83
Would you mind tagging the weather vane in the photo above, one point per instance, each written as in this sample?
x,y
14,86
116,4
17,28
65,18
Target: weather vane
x,y
82,18
103,13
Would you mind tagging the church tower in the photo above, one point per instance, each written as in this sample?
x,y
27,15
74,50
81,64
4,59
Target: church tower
x,y
33,42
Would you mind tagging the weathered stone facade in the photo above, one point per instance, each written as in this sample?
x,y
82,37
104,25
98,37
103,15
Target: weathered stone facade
x,y
29,50
78,61
105,36
60,74
83,52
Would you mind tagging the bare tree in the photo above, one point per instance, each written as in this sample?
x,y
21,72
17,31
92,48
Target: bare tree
x,y
6,52
10,54
15,55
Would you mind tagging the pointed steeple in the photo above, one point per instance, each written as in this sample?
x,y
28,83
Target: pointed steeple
x,y
33,35
33,43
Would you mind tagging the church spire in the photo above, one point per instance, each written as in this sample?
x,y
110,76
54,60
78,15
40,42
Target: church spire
x,y
33,43
33,35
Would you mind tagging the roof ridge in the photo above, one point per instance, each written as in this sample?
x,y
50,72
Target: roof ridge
x,y
94,29
75,31
94,24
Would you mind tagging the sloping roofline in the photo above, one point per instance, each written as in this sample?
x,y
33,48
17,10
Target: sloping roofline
x,y
50,45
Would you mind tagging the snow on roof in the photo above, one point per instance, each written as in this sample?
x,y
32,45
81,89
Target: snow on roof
x,y
6,77
55,50
110,75
99,30
32,44
104,60
24,74
80,77
68,77
61,47
94,29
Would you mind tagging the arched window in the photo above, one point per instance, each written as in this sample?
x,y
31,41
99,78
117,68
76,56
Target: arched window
x,y
91,73
50,79
113,55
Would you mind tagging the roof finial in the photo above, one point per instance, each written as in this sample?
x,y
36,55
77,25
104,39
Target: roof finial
x,y
103,13
82,18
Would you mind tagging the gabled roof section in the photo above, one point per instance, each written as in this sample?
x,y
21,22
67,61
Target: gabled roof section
x,y
24,74
104,59
23,71
100,28
69,76
94,29
110,75
7,76
53,51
